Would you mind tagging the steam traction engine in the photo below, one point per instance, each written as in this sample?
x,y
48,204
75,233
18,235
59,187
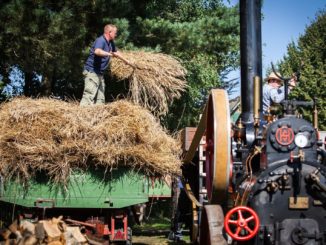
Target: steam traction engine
x,y
264,178
264,185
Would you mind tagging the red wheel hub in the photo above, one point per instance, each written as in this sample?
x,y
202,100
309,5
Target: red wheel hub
x,y
241,223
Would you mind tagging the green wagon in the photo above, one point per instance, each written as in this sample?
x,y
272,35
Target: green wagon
x,y
97,200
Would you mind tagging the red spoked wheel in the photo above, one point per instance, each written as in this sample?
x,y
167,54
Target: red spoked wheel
x,y
241,223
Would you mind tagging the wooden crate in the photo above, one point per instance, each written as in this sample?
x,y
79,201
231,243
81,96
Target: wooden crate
x,y
187,136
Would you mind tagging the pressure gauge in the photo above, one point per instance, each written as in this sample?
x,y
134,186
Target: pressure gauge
x,y
301,140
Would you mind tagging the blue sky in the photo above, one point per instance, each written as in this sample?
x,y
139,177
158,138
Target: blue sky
x,y
284,21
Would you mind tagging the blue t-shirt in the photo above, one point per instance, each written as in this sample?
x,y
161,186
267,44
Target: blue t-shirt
x,y
96,63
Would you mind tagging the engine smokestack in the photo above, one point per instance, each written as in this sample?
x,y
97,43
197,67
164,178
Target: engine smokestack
x,y
250,54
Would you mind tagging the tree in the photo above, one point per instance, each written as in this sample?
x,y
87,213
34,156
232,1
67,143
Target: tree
x,y
309,56
205,39
50,40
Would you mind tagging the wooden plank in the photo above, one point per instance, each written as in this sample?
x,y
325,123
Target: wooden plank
x,y
76,234
196,138
188,134
52,231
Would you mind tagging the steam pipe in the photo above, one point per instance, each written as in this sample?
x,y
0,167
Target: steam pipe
x,y
250,55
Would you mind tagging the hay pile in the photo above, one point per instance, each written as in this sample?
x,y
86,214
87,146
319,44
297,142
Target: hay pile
x,y
58,137
155,79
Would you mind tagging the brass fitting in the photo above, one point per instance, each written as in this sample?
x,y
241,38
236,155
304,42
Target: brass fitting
x,y
257,97
239,131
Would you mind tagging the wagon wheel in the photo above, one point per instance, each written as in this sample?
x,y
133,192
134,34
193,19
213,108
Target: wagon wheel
x,y
218,151
212,226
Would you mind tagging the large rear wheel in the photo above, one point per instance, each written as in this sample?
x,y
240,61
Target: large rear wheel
x,y
211,226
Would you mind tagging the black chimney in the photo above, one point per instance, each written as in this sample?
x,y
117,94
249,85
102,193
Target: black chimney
x,y
250,53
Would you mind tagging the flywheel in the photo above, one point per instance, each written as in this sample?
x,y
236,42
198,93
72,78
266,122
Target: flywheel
x,y
218,147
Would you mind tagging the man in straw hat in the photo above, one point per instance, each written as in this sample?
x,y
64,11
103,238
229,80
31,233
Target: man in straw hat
x,y
98,60
273,91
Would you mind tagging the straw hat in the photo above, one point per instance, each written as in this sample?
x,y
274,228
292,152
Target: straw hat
x,y
272,75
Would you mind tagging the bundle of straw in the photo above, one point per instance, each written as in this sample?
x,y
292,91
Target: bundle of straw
x,y
155,79
58,137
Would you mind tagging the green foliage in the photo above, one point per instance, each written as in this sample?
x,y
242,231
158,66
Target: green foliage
x,y
310,55
207,44
43,38
51,40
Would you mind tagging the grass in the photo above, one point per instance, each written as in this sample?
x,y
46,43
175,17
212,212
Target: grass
x,y
155,223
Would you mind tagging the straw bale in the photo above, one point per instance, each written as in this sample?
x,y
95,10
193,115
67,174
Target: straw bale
x,y
58,137
156,79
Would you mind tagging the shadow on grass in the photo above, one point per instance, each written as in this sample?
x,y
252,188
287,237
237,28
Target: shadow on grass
x,y
154,236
